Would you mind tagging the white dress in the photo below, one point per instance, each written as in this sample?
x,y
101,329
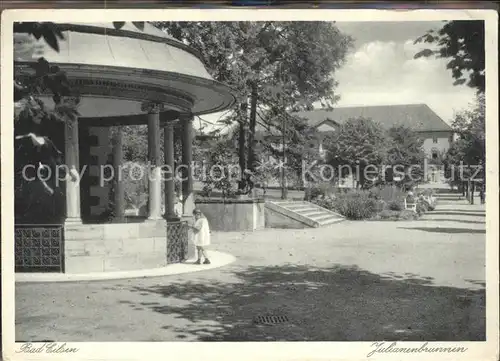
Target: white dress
x,y
202,237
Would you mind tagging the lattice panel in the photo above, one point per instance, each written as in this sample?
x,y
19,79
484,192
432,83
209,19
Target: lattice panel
x,y
177,242
39,248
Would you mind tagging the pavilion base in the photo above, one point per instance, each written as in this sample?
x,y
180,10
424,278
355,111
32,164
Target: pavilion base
x,y
114,247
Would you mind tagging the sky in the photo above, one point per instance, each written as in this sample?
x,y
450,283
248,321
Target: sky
x,y
381,70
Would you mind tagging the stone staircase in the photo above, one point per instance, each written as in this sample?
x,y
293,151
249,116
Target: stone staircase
x,y
449,198
298,214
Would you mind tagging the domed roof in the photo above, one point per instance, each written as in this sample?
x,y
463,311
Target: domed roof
x,y
114,71
149,29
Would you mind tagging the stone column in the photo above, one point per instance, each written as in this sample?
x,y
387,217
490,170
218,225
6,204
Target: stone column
x,y
187,159
73,178
168,148
153,111
119,193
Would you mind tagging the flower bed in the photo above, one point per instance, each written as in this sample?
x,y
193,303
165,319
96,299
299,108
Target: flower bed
x,y
377,204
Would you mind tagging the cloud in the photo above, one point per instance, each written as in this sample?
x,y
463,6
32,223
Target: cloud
x,y
385,72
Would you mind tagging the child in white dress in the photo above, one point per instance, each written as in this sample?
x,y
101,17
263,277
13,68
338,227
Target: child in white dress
x,y
201,235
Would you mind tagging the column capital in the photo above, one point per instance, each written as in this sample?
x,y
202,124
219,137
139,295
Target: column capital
x,y
152,107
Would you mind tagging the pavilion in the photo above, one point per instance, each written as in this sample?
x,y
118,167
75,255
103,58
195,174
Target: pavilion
x,y
124,77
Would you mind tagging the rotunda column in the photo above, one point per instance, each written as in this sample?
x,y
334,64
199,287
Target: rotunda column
x,y
154,174
168,148
73,178
119,192
187,166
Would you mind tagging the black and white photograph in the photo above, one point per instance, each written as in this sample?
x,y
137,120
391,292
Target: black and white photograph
x,y
250,178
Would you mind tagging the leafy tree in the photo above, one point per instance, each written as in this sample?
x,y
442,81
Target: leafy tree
x,y
269,64
291,141
39,141
405,150
359,143
470,147
452,161
462,41
218,171
470,126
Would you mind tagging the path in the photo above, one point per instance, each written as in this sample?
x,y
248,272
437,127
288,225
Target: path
x,y
421,280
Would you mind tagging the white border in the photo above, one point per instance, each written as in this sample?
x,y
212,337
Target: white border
x,y
249,350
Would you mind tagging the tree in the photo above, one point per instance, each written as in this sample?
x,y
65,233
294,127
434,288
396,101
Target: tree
x,y
470,127
358,144
291,141
462,41
469,150
269,64
452,161
405,151
218,171
38,139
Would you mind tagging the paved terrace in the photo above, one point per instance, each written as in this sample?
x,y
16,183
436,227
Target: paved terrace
x,y
359,281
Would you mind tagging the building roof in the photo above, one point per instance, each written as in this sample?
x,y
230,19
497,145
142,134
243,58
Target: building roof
x,y
419,117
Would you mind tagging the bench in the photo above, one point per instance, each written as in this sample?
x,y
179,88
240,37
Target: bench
x,y
412,206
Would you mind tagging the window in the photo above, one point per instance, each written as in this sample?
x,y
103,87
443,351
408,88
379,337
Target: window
x,y
434,154
434,140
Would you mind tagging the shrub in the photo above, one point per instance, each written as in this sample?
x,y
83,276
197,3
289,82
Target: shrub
x,y
389,214
327,203
407,214
427,199
355,205
428,192
387,193
421,208
312,194
206,191
395,205
320,190
380,205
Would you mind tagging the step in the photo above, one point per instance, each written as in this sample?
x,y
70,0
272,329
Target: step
x,y
307,213
330,221
329,211
300,208
290,204
322,217
313,213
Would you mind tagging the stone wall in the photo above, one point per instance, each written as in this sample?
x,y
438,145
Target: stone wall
x,y
115,247
234,214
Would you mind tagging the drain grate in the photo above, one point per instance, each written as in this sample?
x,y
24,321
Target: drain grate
x,y
271,319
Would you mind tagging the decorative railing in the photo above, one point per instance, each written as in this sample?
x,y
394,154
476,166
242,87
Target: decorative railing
x,y
177,241
39,248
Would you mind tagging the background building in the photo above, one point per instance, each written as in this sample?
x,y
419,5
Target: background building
x,y
434,131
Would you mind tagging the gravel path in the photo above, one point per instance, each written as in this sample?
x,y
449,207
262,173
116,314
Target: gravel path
x,y
358,281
